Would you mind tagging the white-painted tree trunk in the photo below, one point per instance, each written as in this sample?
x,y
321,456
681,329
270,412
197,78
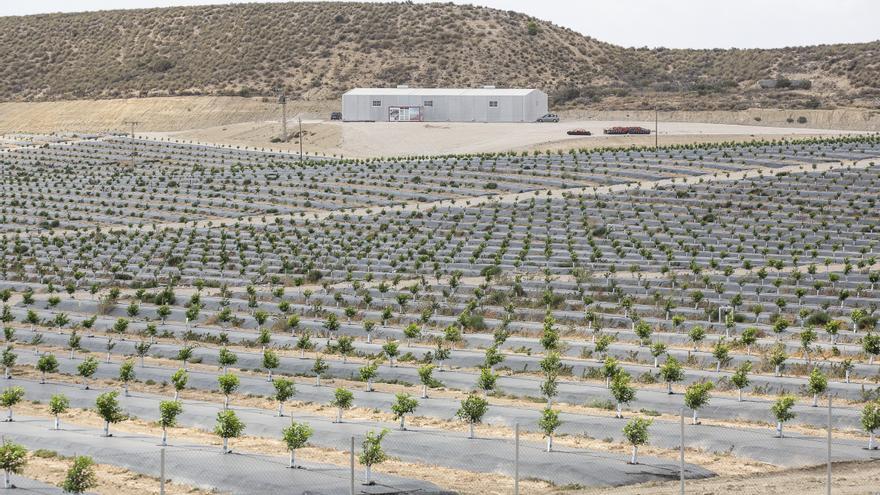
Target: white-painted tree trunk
x,y
317,380
619,413
225,445
225,402
695,417
739,397
106,428
367,478
470,430
635,453
424,391
269,378
871,441
370,385
815,400
779,429
280,409
402,422
125,388
549,443
42,378
164,436
57,423
292,463
9,415
669,388
339,415
7,484
176,394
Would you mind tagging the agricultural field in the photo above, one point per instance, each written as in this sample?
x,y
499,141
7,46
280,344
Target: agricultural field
x,y
594,321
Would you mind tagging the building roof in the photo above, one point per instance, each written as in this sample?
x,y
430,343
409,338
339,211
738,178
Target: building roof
x,y
439,91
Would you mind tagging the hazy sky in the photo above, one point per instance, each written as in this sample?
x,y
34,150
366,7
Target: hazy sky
x,y
669,23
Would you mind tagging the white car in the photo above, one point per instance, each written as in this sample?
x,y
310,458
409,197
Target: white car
x,y
549,117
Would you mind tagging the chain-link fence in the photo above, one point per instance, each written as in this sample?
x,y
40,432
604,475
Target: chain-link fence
x,y
644,452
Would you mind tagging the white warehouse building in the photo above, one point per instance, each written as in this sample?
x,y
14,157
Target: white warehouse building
x,y
404,104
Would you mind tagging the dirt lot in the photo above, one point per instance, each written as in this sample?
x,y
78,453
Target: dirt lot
x,y
254,122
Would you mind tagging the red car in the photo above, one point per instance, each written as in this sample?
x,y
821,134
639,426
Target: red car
x,y
579,132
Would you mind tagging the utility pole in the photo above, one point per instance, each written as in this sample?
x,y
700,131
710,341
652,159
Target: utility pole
x,y
132,123
282,99
656,136
300,120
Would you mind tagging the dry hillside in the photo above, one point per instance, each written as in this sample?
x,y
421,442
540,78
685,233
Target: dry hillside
x,y
318,50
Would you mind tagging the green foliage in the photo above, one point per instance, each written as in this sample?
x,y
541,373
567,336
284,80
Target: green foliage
x,y
342,398
372,452
697,394
13,457
107,406
228,425
58,404
781,409
296,436
636,431
168,412
472,409
284,389
403,404
549,421
81,476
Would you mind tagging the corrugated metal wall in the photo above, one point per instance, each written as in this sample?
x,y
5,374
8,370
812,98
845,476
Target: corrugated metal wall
x,y
448,108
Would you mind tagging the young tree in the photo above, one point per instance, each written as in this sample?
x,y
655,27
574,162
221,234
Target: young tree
x,y
391,350
411,332
622,391
296,436
108,408
13,459
697,396
748,338
168,412
141,349
871,346
372,453
184,354
228,383
487,380
9,398
657,349
47,364
740,379
548,423
721,352
9,358
369,326
426,377
81,476
871,420
817,384
126,374
319,368
304,343
697,334
284,391
87,369
471,411
270,362
179,379
226,358
228,426
368,372
610,368
403,404
58,405
671,372
342,400
777,358
636,433
782,410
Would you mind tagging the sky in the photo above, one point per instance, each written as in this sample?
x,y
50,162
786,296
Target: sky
x,y
651,23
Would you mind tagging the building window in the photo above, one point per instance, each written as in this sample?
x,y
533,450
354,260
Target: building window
x,y
493,103
377,103
429,103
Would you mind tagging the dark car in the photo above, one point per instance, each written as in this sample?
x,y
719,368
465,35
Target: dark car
x,y
335,115
579,132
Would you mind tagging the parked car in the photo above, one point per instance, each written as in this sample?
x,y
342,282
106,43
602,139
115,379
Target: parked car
x,y
627,130
579,132
335,115
549,117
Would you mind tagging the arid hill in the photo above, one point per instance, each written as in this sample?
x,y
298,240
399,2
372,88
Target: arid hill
x,y
318,50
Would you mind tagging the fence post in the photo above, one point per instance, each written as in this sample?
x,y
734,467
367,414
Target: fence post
x,y
681,454
516,460
351,465
828,481
162,471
